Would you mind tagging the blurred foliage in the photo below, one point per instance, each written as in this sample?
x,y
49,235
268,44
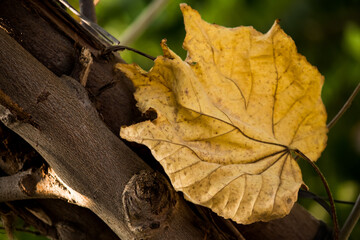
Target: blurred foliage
x,y
326,32
26,232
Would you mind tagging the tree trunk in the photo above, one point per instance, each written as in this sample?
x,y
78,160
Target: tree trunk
x,y
44,57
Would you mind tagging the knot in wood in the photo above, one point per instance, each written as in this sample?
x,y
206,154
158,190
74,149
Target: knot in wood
x,y
148,201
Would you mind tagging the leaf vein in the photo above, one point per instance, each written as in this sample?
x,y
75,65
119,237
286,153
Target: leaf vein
x,y
276,86
231,124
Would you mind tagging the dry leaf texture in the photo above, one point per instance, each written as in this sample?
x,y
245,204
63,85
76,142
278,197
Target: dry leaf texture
x,y
229,116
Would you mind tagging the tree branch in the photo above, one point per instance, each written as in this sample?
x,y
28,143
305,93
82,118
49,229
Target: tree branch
x,y
67,132
87,8
351,221
345,107
40,184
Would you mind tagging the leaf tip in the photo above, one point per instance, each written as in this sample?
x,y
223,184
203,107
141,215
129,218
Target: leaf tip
x,y
188,12
130,70
165,48
274,28
184,6
167,53
126,133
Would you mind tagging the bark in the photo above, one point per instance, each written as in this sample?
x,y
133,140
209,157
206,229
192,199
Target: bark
x,y
76,132
56,117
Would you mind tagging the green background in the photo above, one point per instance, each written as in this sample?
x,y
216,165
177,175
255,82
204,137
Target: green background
x,y
327,33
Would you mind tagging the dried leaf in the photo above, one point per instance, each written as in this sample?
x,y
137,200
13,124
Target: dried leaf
x,y
229,117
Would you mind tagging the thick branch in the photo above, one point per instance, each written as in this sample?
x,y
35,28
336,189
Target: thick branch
x,y
56,117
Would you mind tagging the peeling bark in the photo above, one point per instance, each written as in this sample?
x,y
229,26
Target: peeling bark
x,y
37,184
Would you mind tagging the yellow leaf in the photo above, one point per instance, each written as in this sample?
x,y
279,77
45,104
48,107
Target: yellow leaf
x,y
229,116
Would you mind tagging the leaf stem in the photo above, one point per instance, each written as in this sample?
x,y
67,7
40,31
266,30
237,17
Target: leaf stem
x,y
327,188
122,47
345,107
351,221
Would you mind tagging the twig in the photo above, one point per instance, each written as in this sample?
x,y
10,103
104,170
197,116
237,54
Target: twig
x,y
9,224
38,183
101,34
233,229
341,201
142,21
121,48
87,8
345,107
86,61
319,200
327,188
351,221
